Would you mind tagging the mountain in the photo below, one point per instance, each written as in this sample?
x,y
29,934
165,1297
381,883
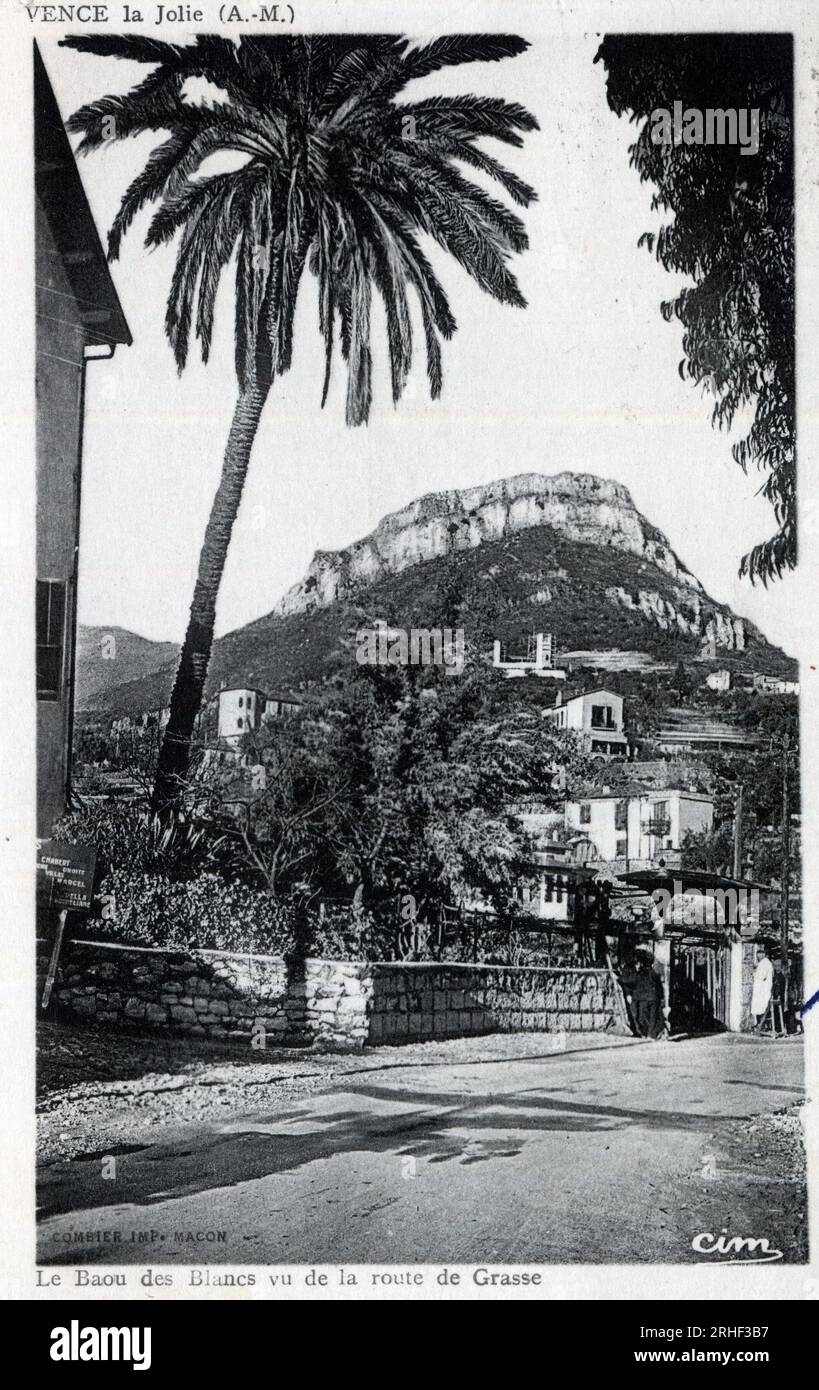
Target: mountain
x,y
568,554
109,657
580,506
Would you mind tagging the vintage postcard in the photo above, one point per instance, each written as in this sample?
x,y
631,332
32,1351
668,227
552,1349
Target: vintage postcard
x,y
411,894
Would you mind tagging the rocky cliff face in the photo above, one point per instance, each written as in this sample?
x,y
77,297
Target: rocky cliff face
x,y
694,617
579,506
569,554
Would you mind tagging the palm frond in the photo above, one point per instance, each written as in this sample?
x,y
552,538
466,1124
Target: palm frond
x,y
136,48
178,206
460,230
453,49
448,51
354,67
467,117
359,379
179,309
389,275
329,178
154,104
146,188
523,193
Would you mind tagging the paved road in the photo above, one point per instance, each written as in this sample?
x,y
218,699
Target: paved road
x,y
619,1154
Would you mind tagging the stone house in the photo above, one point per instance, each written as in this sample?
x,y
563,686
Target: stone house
x,y
597,715
244,709
640,827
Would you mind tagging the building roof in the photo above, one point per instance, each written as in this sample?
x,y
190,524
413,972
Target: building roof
x,y
690,879
64,203
544,862
584,695
242,690
635,792
266,695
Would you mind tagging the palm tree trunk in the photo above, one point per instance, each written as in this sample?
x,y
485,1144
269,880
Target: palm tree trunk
x,y
186,700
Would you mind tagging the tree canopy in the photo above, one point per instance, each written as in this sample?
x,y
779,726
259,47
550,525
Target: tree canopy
x,y
337,175
397,780
731,231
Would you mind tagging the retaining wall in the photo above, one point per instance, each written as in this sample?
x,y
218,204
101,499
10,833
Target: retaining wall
x,y
329,1003
216,994
414,1002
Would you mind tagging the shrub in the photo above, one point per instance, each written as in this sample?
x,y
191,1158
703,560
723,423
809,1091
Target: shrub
x,y
206,911
126,835
350,935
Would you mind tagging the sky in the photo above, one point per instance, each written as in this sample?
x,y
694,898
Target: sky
x,y
586,378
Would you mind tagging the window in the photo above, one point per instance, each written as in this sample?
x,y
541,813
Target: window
x,y
659,822
239,722
602,717
585,813
51,604
241,703
621,815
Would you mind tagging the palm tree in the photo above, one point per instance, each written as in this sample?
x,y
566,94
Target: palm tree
x,y
336,176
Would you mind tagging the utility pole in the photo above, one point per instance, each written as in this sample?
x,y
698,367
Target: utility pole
x,y
738,832
786,866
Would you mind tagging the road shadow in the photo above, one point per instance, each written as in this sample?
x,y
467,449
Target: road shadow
x,y
438,1127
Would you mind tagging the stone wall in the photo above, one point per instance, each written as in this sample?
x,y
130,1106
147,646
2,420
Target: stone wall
x,y
332,1004
415,1002
216,994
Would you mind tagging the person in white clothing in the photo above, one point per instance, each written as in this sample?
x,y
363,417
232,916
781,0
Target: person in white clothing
x,y
763,983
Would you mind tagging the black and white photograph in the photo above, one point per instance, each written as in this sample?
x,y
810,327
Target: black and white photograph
x,y
421,628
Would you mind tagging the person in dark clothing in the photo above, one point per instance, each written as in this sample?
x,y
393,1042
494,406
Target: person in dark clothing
x,y
647,998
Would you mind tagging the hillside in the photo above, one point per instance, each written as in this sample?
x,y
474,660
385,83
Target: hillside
x,y
108,657
569,555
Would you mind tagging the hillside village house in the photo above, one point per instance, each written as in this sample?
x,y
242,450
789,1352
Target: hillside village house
x,y
774,685
243,710
79,319
597,715
557,889
718,680
724,680
640,827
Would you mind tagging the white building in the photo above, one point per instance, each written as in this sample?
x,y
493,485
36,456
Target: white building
x,y
773,685
643,826
554,886
240,712
538,659
243,710
718,680
597,715
279,706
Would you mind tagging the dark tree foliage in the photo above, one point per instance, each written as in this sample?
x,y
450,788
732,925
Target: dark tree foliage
x,y
732,231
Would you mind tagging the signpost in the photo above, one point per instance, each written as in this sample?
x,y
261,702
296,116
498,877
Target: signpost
x,y
67,872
